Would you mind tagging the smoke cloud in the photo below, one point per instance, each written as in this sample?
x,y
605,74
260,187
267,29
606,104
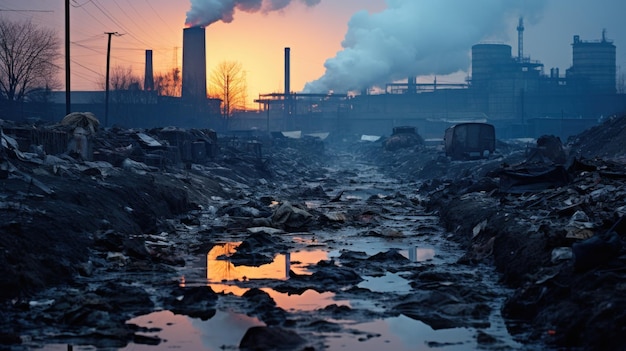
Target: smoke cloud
x,y
205,12
417,38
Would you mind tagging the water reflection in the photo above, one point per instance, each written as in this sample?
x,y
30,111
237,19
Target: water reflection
x,y
222,275
390,282
310,300
420,254
401,334
225,330
220,269
222,331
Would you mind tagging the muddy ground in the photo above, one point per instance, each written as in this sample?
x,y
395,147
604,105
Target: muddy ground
x,y
558,247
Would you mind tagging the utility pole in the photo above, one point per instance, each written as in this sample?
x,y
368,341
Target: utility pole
x,y
106,94
68,100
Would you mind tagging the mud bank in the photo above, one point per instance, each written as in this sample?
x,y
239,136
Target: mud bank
x,y
234,238
559,244
89,245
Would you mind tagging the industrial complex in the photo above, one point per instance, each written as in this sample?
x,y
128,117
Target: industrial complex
x,y
513,92
517,95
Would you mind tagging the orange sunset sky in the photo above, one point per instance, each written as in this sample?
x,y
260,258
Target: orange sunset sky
x,y
314,34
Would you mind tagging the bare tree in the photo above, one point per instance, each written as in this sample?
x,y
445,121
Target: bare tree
x,y
169,83
125,86
228,83
27,59
122,78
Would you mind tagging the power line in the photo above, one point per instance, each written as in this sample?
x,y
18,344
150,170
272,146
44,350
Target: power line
x,y
87,68
158,16
146,32
116,22
2,10
92,16
80,5
92,38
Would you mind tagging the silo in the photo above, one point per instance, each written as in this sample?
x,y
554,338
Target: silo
x,y
493,77
489,60
594,65
194,64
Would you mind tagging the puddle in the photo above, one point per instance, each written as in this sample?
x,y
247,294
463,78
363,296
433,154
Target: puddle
x,y
220,270
178,332
390,282
401,334
222,331
419,254
310,300
222,275
226,329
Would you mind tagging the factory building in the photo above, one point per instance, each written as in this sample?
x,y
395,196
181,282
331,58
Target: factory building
x,y
514,93
594,66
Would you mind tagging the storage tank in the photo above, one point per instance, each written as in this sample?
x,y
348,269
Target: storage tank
x,y
489,60
594,65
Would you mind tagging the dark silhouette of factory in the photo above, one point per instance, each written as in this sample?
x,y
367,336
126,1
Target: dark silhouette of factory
x,y
511,92
514,93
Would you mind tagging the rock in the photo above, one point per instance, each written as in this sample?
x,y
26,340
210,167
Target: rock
x,y
196,302
596,251
270,338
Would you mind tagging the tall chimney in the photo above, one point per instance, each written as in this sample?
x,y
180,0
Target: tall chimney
x,y
194,64
148,78
287,72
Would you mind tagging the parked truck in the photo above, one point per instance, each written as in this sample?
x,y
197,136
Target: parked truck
x,y
472,140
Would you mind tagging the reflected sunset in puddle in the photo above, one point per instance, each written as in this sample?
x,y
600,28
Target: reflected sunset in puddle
x,y
220,269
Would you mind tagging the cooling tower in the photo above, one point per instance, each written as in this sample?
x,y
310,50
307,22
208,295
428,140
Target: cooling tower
x,y
148,80
194,64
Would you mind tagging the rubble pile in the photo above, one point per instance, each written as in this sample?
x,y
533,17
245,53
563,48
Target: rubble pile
x,y
552,225
548,216
605,141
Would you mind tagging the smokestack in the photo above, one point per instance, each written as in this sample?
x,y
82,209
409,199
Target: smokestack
x,y
520,40
148,80
194,64
287,72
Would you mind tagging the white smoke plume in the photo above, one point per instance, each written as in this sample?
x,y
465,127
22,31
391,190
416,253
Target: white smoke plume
x,y
205,12
417,38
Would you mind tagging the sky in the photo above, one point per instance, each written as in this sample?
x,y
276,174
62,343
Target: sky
x,y
335,45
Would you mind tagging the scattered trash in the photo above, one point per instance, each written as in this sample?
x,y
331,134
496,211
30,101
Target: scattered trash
x,y
403,137
291,217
